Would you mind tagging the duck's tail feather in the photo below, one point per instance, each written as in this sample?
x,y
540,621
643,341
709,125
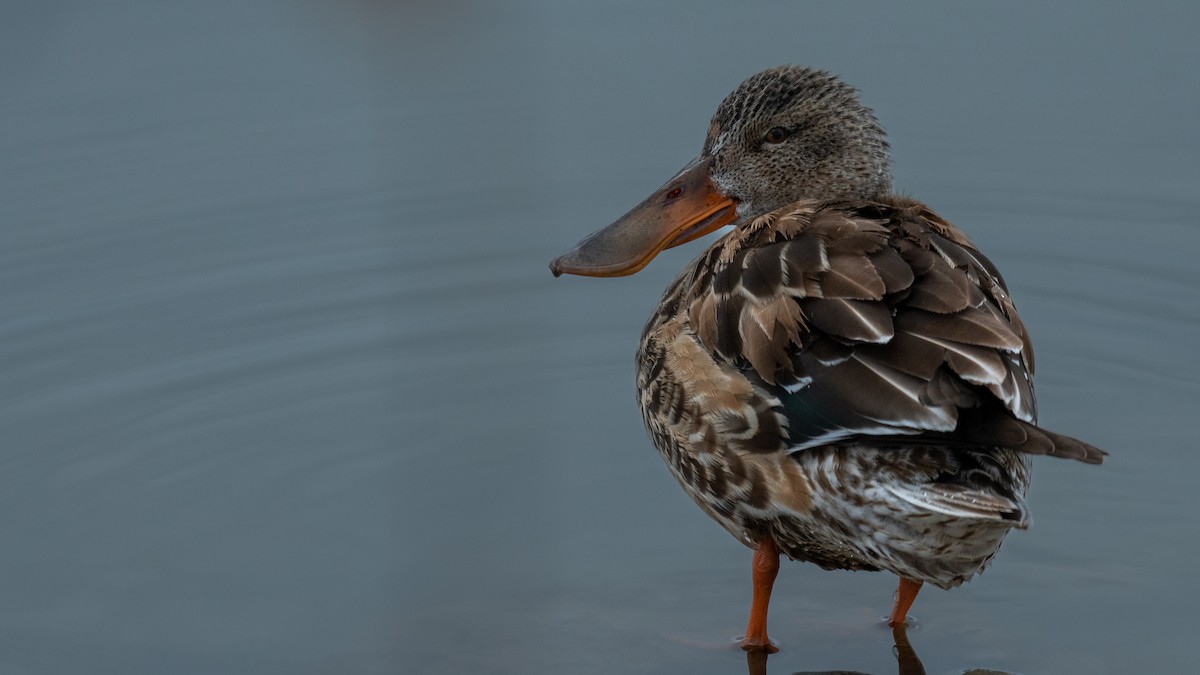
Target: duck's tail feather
x,y
1009,432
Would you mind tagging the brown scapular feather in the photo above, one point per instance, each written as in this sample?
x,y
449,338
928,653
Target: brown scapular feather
x,y
852,276
972,327
943,290
857,320
896,274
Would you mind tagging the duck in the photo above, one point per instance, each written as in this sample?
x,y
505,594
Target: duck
x,y
842,377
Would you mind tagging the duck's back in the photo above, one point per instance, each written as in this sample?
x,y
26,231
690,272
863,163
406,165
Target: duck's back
x,y
829,364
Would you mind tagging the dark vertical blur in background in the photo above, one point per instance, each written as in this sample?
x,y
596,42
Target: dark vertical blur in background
x,y
286,386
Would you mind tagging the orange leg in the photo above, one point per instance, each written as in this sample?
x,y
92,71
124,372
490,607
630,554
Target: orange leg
x,y
905,595
766,566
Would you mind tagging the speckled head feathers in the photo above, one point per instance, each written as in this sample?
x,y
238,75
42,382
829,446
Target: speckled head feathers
x,y
833,146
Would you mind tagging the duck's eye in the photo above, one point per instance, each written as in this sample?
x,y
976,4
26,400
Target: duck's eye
x,y
776,136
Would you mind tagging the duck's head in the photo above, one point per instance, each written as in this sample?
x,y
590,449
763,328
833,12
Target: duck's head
x,y
784,135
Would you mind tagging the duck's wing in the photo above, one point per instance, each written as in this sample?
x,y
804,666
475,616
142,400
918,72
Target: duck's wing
x,y
873,319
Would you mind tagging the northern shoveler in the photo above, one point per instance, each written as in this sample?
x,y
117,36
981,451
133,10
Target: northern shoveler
x,y
843,377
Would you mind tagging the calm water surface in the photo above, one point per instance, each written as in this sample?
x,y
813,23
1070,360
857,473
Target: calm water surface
x,y
288,387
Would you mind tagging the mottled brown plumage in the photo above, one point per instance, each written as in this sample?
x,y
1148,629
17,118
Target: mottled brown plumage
x,y
867,343
843,377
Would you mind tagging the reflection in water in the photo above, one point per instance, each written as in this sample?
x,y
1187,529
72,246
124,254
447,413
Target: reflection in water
x,y
907,662
906,656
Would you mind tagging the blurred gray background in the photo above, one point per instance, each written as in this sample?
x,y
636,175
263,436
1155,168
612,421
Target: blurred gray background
x,y
287,387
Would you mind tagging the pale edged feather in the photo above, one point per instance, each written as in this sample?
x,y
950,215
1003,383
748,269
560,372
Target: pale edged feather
x,y
854,320
964,502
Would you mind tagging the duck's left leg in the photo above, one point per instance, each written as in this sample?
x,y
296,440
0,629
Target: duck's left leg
x,y
905,595
766,567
